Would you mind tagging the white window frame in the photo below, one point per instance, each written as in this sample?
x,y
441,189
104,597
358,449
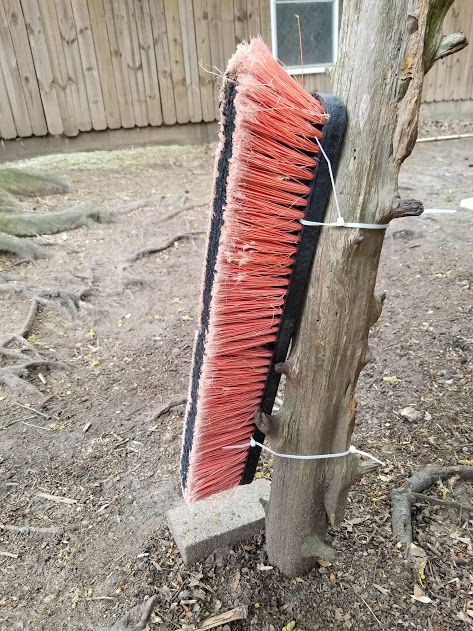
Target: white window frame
x,y
312,69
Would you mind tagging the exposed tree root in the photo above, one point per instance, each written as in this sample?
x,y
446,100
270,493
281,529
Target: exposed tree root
x,y
31,224
13,376
20,247
167,407
8,201
50,296
403,498
155,248
24,183
16,223
131,279
27,357
176,213
140,613
428,499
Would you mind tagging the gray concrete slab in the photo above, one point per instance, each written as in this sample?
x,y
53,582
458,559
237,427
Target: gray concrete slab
x,y
217,522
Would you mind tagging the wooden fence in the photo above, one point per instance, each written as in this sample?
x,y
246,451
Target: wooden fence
x,y
452,78
71,66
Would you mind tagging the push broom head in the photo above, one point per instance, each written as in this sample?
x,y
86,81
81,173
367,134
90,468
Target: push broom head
x,y
264,172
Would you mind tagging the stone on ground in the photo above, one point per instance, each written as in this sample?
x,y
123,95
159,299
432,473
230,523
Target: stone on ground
x,y
220,521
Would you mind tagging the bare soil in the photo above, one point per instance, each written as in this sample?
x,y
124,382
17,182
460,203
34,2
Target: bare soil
x,y
93,440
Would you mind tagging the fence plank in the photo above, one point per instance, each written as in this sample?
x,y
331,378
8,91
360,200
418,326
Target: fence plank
x,y
148,61
68,46
7,124
176,54
122,82
217,54
135,67
241,20
163,60
254,24
26,70
44,72
201,18
459,82
104,63
89,63
466,79
124,18
12,80
265,20
191,65
451,25
228,29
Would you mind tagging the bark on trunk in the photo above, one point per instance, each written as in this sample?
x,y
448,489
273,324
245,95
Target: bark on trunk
x,y
387,46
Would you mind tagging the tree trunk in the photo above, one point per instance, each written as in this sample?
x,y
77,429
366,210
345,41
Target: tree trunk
x,y
387,46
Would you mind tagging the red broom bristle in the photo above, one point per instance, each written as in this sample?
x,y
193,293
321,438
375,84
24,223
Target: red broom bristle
x,y
270,171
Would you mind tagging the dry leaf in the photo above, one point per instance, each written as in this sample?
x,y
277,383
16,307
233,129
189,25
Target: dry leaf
x,y
419,596
323,563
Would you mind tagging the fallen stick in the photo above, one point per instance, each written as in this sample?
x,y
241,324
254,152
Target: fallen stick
x,y
43,414
27,530
57,498
239,613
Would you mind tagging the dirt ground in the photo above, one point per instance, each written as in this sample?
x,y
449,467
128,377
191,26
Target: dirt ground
x,y
94,441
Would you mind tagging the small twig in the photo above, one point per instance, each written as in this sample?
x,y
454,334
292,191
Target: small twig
x,y
468,508
11,555
48,429
27,530
103,598
164,409
57,498
18,420
153,249
43,414
371,611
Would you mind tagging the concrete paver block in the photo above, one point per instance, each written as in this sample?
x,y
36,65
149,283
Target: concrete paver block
x,y
217,522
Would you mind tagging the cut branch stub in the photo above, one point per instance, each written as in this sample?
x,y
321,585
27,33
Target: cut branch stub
x,y
451,44
266,424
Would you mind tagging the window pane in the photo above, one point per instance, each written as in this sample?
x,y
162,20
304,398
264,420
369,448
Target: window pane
x,y
317,32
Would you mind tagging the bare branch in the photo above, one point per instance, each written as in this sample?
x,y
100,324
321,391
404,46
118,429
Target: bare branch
x,y
451,44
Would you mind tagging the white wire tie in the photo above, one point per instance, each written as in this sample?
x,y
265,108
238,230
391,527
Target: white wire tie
x,y
351,450
340,223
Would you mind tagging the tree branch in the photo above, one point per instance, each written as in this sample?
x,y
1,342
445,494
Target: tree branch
x,y
451,44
